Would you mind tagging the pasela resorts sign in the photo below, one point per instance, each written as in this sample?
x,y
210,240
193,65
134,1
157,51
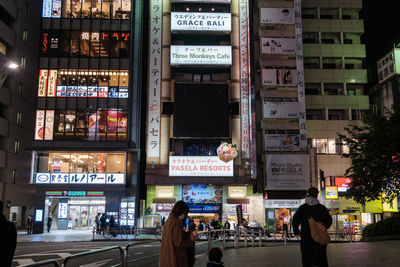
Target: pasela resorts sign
x,y
199,166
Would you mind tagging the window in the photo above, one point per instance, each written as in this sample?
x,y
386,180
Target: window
x,y
16,146
26,9
115,9
23,62
65,162
327,146
14,176
311,63
3,48
25,35
19,118
20,89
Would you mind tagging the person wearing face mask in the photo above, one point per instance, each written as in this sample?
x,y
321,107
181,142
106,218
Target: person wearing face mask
x,y
174,244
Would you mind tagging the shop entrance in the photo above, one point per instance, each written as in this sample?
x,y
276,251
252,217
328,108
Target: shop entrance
x,y
75,213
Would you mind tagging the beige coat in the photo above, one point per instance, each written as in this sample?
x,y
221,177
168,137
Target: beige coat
x,y
174,244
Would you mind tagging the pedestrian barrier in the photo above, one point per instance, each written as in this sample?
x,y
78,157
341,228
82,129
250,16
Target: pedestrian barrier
x,y
239,235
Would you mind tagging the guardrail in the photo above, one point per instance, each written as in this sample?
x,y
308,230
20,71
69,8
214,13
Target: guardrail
x,y
212,236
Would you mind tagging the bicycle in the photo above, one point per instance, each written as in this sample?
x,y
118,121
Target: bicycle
x,y
346,235
158,232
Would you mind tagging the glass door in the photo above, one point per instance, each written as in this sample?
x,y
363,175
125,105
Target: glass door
x,y
74,212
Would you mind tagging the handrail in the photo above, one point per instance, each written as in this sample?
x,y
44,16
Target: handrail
x,y
86,253
41,263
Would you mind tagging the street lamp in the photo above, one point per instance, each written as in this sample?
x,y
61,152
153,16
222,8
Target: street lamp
x,y
5,70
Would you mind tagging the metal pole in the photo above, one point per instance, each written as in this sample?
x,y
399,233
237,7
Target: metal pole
x,y
284,237
209,240
245,238
259,240
252,237
93,233
237,237
224,237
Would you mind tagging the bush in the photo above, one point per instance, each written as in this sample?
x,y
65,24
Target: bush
x,y
389,226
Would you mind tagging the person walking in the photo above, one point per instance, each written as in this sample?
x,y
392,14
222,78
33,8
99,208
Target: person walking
x,y
49,221
29,225
103,223
173,251
97,221
312,253
8,237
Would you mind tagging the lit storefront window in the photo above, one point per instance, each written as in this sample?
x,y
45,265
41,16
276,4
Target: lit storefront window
x,y
65,162
106,9
329,146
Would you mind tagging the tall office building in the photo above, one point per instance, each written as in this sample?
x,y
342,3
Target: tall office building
x,y
86,144
19,44
198,118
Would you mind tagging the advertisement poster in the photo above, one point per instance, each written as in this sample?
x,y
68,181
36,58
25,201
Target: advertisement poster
x,y
287,172
39,128
47,8
164,207
42,87
276,16
283,203
279,77
278,46
390,206
56,10
201,55
199,166
374,206
232,208
191,21
349,206
49,126
331,192
201,193
280,108
343,183
62,210
282,142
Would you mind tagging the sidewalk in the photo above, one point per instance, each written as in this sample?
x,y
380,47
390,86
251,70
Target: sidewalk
x,y
384,253
69,236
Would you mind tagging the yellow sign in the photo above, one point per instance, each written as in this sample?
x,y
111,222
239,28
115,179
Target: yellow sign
x,y
349,206
165,191
237,191
373,206
390,207
331,192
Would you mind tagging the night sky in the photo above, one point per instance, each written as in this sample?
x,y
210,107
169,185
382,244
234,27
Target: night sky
x,y
381,31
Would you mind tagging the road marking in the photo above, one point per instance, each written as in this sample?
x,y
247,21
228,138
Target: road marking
x,y
139,253
24,261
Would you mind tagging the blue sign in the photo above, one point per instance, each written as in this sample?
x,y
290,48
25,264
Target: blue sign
x,y
47,7
204,209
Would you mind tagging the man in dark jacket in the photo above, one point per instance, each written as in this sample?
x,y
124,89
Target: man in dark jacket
x,y
313,254
8,237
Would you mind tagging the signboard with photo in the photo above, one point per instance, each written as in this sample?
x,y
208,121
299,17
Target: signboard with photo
x,y
201,55
201,193
199,166
280,108
331,192
232,208
287,172
285,77
282,142
278,46
276,16
191,21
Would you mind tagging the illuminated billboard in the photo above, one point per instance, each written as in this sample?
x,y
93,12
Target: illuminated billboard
x,y
210,22
201,55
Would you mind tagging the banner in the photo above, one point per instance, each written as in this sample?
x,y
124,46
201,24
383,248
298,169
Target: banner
x,y
191,21
39,128
201,193
52,83
287,172
80,178
42,87
154,78
278,45
276,16
201,55
280,108
374,206
282,142
202,1
199,166
343,183
49,125
279,77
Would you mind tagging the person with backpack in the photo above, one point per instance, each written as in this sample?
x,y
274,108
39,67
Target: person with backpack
x,y
314,219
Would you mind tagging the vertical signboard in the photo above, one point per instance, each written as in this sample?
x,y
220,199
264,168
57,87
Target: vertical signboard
x,y
42,87
52,83
154,71
300,74
244,79
49,125
39,128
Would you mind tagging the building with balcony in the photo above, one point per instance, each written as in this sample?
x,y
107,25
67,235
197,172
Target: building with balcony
x,y
86,148
19,44
198,118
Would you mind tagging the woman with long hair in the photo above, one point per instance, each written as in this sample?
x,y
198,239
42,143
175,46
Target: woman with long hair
x,y
174,245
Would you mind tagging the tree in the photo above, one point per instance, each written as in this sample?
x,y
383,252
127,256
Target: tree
x,y
375,154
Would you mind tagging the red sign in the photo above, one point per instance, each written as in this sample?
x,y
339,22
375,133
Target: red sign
x,y
343,183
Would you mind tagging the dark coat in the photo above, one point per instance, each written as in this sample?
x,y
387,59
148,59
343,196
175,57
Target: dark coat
x,y
8,237
313,254
174,245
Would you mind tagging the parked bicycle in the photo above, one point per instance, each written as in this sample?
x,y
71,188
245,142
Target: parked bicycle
x,y
344,235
